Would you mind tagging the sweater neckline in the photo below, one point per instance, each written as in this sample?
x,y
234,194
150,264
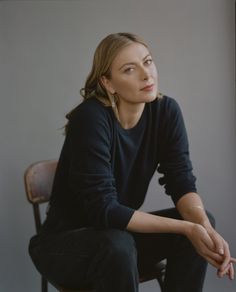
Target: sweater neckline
x,y
135,128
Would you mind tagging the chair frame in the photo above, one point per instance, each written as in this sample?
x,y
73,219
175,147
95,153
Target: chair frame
x,y
38,179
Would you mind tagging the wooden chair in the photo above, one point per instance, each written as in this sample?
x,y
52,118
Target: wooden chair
x,y
38,179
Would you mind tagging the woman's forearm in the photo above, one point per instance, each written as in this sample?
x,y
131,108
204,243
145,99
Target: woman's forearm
x,y
148,223
191,208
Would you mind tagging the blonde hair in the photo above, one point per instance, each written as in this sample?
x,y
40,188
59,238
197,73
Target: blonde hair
x,y
104,55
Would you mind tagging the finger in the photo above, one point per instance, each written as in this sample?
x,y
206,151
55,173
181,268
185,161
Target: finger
x,y
214,256
207,250
212,262
233,260
211,257
227,257
208,241
218,242
231,272
226,271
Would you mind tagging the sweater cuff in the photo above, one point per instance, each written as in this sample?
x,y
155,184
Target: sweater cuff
x,y
119,216
176,197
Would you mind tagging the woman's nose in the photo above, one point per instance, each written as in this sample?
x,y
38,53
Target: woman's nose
x,y
145,74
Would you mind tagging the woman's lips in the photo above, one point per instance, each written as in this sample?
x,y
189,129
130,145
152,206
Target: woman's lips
x,y
148,88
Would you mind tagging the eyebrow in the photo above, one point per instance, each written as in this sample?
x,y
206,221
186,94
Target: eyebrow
x,y
132,63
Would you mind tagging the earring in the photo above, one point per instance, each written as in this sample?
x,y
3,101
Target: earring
x,y
113,104
112,97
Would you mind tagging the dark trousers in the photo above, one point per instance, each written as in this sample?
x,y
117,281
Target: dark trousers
x,y
113,260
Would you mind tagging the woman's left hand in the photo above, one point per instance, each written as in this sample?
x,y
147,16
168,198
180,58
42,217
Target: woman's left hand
x,y
222,248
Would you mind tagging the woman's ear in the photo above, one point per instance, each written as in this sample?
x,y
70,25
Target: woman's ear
x,y
107,84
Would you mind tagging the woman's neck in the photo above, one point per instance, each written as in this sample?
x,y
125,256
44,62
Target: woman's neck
x,y
130,113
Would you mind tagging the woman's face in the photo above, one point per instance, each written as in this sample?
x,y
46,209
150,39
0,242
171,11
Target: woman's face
x,y
133,75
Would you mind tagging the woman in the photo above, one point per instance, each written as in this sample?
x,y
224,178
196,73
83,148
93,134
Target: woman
x,y
115,140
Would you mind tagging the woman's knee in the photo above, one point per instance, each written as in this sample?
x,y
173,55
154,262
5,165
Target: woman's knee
x,y
120,247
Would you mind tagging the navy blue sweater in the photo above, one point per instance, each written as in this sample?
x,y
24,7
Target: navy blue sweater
x,y
104,170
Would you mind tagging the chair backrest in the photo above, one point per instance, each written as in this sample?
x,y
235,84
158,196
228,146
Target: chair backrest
x,y
38,185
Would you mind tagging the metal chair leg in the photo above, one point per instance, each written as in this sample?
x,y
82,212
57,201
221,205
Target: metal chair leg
x,y
161,284
161,274
44,284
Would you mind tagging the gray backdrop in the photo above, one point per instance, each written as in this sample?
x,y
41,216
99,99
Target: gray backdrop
x,y
46,52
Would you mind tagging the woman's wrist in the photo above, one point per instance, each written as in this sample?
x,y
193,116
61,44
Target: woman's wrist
x,y
206,224
187,228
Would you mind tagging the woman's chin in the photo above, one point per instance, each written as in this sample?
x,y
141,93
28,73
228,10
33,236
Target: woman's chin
x,y
150,97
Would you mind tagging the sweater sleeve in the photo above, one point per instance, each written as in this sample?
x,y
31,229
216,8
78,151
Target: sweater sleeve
x,y
175,164
91,178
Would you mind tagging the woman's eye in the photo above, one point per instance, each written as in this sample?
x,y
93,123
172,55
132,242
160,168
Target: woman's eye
x,y
148,61
129,70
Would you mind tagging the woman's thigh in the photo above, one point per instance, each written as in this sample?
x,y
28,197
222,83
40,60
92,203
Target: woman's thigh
x,y
75,258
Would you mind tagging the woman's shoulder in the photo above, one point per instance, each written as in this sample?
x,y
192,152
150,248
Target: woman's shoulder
x,y
89,109
91,116
166,102
166,105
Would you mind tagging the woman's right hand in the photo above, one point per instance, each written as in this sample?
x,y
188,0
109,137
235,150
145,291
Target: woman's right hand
x,y
203,244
